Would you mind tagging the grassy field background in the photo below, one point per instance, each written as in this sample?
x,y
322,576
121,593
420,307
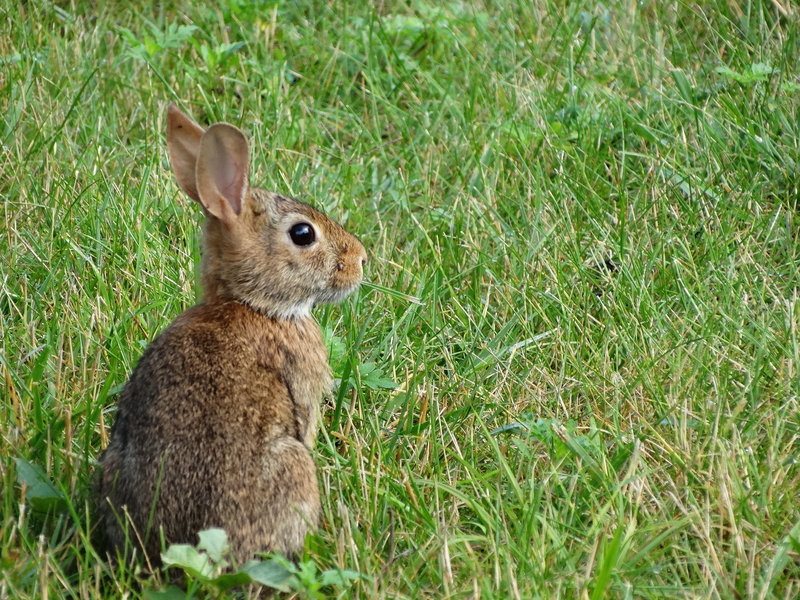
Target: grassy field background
x,y
576,372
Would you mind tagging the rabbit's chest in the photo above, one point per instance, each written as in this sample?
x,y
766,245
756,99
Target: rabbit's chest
x,y
306,394
308,377
303,366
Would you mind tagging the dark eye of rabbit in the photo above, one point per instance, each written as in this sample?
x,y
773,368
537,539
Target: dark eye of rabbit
x,y
302,234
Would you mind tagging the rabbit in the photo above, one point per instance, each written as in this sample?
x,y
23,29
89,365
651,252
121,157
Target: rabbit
x,y
216,424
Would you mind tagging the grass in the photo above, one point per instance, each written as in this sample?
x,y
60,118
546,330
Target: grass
x,y
586,218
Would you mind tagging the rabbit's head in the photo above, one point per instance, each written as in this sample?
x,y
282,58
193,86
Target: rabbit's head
x,y
275,254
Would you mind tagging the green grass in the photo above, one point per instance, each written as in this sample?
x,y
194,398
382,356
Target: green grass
x,y
596,205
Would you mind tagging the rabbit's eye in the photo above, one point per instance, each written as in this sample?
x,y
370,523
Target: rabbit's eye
x,y
302,234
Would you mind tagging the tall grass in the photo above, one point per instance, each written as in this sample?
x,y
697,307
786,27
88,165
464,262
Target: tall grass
x,y
576,373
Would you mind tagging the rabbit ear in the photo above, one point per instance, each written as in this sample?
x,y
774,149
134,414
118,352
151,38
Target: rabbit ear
x,y
183,141
222,169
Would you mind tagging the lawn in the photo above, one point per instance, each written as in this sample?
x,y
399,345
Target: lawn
x,y
574,371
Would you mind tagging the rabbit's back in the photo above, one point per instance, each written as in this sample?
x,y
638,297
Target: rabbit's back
x,y
213,430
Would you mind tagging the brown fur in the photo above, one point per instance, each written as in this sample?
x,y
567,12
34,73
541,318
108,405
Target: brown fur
x,y
215,425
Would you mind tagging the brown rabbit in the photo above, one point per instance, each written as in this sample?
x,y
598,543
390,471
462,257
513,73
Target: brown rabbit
x,y
215,426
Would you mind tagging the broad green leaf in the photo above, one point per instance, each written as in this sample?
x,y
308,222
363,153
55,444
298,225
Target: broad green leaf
x,y
188,558
762,70
215,542
372,377
307,572
269,573
39,491
227,581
